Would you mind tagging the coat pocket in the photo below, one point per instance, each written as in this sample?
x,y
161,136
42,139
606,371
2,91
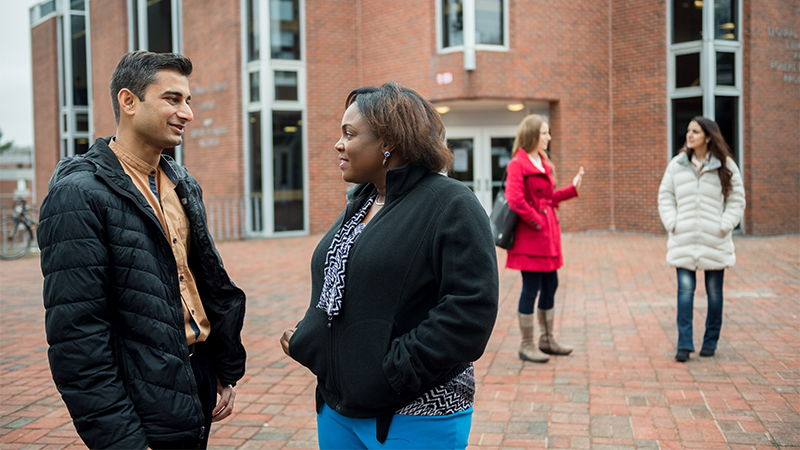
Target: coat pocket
x,y
361,352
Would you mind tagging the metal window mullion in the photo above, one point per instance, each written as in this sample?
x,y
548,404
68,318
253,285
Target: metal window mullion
x,y
68,112
470,62
245,76
89,96
177,19
708,61
141,12
265,97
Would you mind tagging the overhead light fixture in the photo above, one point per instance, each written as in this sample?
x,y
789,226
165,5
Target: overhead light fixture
x,y
698,3
442,109
727,26
289,129
515,107
729,36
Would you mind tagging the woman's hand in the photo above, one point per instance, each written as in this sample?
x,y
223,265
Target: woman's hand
x,y
224,406
578,178
287,335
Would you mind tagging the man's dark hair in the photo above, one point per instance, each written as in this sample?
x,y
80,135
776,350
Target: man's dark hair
x,y
137,70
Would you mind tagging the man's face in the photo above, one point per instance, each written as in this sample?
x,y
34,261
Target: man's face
x,y
161,117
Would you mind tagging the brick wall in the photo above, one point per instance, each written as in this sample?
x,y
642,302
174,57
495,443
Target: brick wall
x,y
44,60
109,42
333,71
640,150
600,65
772,118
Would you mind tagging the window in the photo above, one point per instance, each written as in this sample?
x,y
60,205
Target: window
x,y
473,23
154,25
285,29
705,69
75,96
285,85
287,170
275,108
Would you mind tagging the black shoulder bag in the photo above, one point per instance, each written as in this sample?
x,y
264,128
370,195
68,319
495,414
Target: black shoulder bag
x,y
503,219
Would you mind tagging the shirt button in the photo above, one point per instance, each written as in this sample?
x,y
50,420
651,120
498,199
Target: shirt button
x,y
174,240
152,172
181,277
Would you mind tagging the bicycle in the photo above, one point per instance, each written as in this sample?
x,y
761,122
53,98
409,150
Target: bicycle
x,y
17,232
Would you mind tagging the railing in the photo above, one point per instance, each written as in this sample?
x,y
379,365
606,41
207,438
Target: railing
x,y
226,217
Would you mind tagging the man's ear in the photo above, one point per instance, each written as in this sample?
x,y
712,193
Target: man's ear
x,y
127,101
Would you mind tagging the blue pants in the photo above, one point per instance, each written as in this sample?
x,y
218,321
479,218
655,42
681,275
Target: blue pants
x,y
336,431
686,286
542,283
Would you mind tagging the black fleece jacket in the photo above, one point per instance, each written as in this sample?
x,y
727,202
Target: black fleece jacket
x,y
420,297
114,317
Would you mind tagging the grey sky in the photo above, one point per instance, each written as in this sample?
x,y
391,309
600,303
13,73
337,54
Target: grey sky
x,y
16,95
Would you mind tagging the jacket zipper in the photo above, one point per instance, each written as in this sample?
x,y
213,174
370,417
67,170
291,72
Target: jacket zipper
x,y
334,368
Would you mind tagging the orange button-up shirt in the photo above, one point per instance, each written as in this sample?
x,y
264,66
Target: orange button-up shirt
x,y
159,191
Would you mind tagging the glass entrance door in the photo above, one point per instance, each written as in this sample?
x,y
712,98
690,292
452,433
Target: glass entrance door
x,y
480,159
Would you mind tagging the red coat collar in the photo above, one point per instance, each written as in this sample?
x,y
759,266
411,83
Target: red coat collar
x,y
527,166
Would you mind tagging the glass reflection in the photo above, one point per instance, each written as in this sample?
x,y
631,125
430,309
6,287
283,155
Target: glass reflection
x,y
683,110
687,21
285,29
687,70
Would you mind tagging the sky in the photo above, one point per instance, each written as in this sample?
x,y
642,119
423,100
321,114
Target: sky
x,y
16,94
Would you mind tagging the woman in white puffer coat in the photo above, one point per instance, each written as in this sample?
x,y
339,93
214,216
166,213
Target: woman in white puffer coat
x,y
700,202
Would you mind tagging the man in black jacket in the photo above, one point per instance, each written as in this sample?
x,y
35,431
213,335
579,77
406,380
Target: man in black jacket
x,y
143,322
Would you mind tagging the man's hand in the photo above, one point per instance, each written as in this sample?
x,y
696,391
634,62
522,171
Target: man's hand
x,y
224,406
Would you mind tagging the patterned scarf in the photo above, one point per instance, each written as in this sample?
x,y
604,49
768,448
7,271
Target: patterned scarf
x,y
330,299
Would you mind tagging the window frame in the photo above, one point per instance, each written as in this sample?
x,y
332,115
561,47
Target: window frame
x,y
68,111
708,89
265,66
440,49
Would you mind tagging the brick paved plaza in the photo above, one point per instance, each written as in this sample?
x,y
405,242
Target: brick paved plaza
x,y
620,389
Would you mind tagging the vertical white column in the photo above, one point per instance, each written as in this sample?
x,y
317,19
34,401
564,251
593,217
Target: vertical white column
x,y
468,15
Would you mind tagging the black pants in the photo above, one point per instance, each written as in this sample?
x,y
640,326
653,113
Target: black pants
x,y
207,391
542,283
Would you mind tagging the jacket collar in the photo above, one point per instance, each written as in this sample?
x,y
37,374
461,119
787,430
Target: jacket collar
x,y
527,165
713,162
399,182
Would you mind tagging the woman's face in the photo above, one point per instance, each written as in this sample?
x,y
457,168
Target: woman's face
x,y
360,150
695,137
544,137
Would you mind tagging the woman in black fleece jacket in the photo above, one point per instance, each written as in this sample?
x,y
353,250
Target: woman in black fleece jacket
x,y
404,285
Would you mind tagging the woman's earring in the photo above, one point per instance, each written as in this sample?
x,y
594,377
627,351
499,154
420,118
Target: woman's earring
x,y
386,156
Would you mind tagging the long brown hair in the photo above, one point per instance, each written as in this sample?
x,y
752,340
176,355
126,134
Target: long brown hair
x,y
718,148
407,122
528,135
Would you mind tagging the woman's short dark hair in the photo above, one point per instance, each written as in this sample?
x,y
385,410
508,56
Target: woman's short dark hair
x,y
137,70
406,122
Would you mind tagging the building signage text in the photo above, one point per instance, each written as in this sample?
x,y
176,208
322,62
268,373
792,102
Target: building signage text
x,y
788,68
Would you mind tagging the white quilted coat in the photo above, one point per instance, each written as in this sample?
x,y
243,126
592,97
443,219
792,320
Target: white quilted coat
x,y
697,216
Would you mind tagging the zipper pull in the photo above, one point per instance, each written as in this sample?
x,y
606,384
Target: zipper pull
x,y
330,319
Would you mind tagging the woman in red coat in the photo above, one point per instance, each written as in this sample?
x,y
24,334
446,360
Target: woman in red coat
x,y
531,193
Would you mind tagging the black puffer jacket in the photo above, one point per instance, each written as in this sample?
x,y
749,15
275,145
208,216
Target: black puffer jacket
x,y
114,317
420,297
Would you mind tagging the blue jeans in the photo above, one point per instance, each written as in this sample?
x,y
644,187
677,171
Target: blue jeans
x,y
336,431
686,285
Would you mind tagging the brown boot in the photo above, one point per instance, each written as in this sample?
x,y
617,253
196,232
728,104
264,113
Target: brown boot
x,y
527,349
547,343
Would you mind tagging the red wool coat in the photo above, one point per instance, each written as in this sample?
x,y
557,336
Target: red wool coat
x,y
531,194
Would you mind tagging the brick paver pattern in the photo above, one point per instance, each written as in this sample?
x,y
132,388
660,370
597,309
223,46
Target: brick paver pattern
x,y
620,389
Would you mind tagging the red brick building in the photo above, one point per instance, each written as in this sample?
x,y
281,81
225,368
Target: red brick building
x,y
619,82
